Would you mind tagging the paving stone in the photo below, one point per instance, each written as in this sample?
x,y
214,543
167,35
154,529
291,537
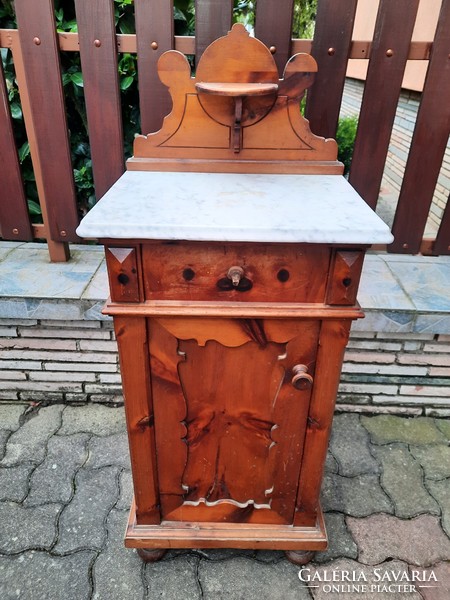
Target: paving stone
x,y
109,450
126,490
441,492
52,481
39,576
14,482
331,465
385,429
174,579
4,435
356,496
10,415
349,445
402,480
240,578
364,576
26,528
340,542
117,570
82,522
444,426
93,418
419,541
30,441
435,460
441,588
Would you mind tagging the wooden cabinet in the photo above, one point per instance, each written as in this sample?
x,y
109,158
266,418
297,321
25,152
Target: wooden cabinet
x,y
234,252
230,392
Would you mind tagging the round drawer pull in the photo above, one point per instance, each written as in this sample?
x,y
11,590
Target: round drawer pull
x,y
301,380
123,278
235,274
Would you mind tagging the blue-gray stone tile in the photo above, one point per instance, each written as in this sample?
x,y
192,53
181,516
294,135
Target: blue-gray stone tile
x,y
379,288
98,288
432,323
426,283
386,321
28,272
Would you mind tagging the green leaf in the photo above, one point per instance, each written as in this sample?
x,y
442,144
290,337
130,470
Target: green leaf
x,y
16,111
77,78
34,207
24,151
126,82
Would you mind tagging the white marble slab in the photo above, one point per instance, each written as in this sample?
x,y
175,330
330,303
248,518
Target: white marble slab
x,y
234,207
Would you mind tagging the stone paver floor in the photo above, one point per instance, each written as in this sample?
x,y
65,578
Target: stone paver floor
x,y
65,490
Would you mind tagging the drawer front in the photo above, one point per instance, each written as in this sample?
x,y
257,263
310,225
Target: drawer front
x,y
123,274
235,272
344,277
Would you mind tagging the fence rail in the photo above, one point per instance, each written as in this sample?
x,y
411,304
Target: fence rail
x,y
36,48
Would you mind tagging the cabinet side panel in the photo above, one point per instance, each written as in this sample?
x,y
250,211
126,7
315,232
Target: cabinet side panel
x,y
332,341
134,363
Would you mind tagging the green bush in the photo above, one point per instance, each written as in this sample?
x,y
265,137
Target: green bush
x,y
345,137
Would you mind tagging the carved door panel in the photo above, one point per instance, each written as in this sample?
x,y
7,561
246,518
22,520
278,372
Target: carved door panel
x,y
229,424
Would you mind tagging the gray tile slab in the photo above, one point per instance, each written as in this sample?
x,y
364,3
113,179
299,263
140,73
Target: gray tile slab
x,y
98,288
426,283
93,418
31,274
388,321
379,288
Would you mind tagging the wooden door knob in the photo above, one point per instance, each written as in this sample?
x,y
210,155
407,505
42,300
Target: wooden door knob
x,y
302,380
235,274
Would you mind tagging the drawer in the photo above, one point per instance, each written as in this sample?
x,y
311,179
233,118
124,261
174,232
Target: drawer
x,y
346,267
263,273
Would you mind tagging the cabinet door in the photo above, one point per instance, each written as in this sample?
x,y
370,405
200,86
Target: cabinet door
x,y
229,423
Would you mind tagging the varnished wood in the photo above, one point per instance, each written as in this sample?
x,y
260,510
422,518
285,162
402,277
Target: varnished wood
x,y
132,342
176,534
196,271
372,143
150,556
123,274
427,147
237,373
101,81
154,23
276,310
41,64
332,341
270,126
333,29
299,557
345,274
254,408
14,218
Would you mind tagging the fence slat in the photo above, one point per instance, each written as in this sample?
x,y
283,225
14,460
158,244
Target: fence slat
x,y
154,31
330,48
212,20
14,219
393,31
273,26
98,55
427,147
38,42
442,243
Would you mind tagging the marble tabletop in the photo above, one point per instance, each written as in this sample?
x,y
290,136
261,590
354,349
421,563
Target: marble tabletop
x,y
234,207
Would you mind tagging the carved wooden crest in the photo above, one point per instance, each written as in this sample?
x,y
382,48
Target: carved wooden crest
x,y
235,115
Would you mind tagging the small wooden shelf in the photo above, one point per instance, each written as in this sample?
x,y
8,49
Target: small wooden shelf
x,y
237,89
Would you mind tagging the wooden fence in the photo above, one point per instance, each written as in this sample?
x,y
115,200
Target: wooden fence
x,y
36,45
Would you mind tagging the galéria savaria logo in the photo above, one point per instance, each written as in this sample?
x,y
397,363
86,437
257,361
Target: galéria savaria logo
x,y
382,581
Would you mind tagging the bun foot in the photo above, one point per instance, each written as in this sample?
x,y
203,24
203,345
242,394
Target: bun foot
x,y
299,557
148,555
